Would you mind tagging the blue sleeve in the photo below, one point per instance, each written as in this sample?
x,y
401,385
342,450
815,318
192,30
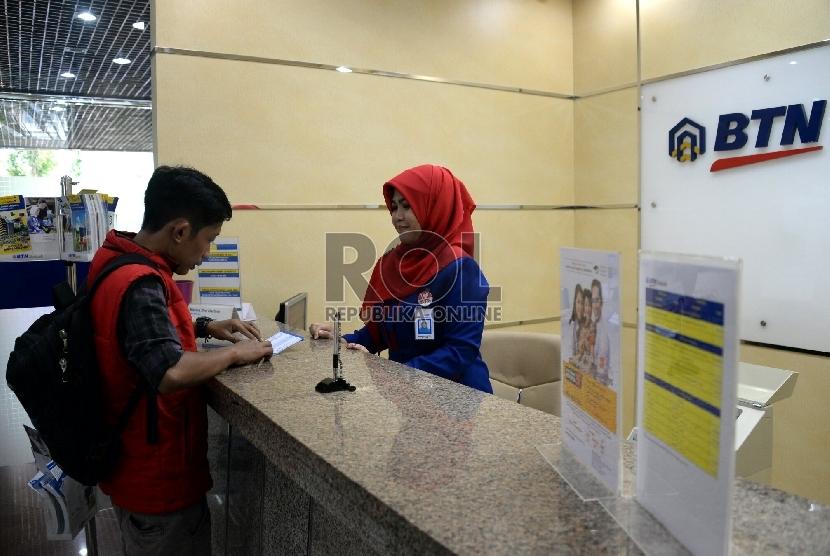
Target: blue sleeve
x,y
364,338
467,298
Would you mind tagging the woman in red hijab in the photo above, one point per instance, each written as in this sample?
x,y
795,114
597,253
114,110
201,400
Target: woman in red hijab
x,y
427,297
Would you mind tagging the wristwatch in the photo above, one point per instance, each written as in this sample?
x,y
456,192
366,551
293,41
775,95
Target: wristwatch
x,y
201,327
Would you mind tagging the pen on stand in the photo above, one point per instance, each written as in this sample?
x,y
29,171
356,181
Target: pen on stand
x,y
336,354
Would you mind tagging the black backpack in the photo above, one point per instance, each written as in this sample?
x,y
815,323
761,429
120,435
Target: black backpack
x,y
53,371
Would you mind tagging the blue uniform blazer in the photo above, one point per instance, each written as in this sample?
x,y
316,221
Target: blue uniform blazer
x,y
459,303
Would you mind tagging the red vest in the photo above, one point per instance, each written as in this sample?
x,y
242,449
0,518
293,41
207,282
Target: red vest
x,y
174,473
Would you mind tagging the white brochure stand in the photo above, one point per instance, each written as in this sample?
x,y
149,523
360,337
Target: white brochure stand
x,y
588,458
687,377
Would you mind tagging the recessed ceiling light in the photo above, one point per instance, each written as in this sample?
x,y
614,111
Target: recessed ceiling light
x,y
68,74
86,16
121,61
343,69
138,25
793,63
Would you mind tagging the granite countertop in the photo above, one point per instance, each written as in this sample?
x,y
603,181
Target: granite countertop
x,y
418,464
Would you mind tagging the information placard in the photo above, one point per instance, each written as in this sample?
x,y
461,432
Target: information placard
x,y
217,278
687,383
591,338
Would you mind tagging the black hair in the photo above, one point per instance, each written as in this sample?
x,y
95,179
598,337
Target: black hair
x,y
596,283
180,192
577,293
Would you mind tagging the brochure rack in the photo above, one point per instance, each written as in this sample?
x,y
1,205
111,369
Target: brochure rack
x,y
26,280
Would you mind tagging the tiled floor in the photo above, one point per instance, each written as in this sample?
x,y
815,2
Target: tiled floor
x,y
23,529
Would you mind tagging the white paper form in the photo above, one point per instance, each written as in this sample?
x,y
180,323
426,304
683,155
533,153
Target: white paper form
x,y
279,342
283,340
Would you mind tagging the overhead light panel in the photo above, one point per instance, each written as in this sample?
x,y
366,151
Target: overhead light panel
x,y
58,109
121,61
86,16
343,69
139,25
68,74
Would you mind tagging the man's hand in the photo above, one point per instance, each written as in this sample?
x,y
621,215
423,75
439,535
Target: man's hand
x,y
247,351
195,368
226,329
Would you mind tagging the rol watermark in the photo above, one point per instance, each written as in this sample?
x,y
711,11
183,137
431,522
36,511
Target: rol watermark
x,y
351,256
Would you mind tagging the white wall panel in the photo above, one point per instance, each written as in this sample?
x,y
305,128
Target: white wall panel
x,y
772,214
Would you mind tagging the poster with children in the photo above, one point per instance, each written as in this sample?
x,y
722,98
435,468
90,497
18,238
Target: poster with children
x,y
591,338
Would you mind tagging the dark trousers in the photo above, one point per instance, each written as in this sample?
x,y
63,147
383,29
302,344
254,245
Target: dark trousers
x,y
185,532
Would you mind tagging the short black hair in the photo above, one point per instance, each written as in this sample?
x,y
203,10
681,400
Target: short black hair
x,y
181,192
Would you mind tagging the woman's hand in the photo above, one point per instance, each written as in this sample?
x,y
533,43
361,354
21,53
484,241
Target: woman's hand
x,y
357,347
326,332
226,330
321,331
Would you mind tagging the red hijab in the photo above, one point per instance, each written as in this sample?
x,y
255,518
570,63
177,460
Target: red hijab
x,y
443,208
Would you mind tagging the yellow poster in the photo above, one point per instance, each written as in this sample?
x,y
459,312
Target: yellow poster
x,y
683,375
14,226
595,399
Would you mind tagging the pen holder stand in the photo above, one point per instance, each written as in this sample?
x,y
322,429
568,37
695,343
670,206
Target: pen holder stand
x,y
329,384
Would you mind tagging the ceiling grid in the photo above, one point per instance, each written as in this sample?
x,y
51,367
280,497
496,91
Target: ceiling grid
x,y
59,84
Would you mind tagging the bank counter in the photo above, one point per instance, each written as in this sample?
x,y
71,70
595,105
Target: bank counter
x,y
410,463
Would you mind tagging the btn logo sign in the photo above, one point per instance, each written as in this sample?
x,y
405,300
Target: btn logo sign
x,y
687,140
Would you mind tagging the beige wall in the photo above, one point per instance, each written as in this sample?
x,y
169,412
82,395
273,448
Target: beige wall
x,y
516,43
605,44
271,133
323,137
800,423
679,36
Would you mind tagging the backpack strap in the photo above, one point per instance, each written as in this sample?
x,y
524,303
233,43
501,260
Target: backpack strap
x,y
135,397
115,264
62,296
142,386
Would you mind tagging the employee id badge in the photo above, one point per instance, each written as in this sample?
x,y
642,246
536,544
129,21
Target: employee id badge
x,y
424,325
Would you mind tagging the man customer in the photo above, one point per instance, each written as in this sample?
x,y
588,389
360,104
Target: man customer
x,y
144,333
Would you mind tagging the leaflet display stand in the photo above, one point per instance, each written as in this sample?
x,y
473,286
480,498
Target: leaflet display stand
x,y
28,284
584,482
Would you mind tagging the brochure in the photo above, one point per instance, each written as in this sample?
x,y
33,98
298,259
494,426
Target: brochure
x,y
14,230
28,228
85,221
